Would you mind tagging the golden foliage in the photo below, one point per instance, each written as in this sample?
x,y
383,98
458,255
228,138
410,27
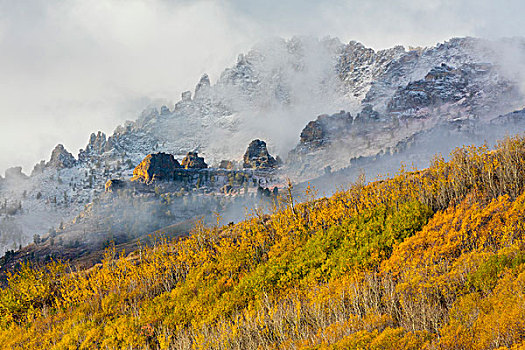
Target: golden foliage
x,y
428,259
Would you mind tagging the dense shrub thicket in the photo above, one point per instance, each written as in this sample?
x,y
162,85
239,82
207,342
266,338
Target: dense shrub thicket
x,y
427,259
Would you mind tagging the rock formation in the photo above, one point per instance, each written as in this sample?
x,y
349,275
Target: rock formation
x,y
193,161
61,158
39,168
313,134
97,145
164,110
319,132
226,164
158,166
15,173
186,96
203,86
115,184
257,156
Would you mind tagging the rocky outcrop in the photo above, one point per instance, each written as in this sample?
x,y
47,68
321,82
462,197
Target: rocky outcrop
x,y
185,105
39,168
193,161
115,184
15,173
186,96
61,158
164,110
313,134
226,164
97,145
158,166
257,156
441,84
367,114
319,133
243,74
203,86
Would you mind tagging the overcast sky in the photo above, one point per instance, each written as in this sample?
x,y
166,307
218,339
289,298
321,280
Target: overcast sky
x,y
68,67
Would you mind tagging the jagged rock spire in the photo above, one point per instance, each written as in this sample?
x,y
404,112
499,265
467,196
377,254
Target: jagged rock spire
x,y
202,86
257,156
61,158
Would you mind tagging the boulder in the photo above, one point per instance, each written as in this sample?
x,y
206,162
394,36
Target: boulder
x,y
61,158
193,161
158,166
257,156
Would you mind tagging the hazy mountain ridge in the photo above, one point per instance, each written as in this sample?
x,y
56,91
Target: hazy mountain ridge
x,y
471,90
418,150
271,93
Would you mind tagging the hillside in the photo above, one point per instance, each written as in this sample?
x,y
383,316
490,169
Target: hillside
x,y
427,259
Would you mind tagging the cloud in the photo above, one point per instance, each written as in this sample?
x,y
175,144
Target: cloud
x,y
68,68
383,23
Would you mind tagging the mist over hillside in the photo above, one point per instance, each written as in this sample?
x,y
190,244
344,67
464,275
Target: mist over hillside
x,y
287,93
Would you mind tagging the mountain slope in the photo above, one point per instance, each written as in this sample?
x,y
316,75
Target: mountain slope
x,y
417,150
427,259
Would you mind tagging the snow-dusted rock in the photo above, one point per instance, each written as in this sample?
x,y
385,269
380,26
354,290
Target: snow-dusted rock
x,y
257,156
158,166
193,161
61,158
